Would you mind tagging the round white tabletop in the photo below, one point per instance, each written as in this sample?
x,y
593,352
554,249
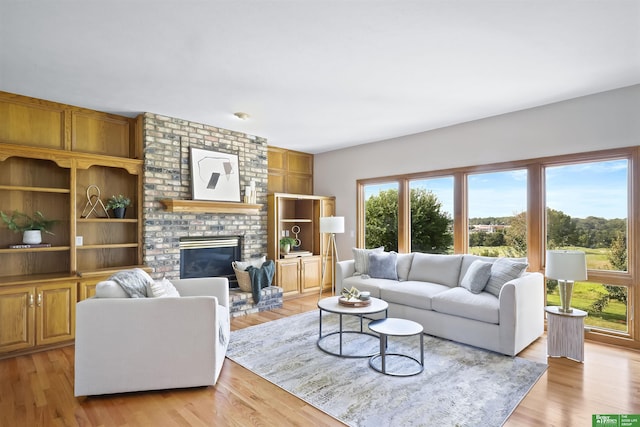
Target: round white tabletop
x,y
396,327
331,305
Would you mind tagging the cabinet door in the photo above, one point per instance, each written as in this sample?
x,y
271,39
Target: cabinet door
x,y
287,276
55,312
299,184
17,318
311,273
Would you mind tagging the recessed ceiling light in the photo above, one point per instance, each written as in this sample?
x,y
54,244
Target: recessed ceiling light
x,y
241,115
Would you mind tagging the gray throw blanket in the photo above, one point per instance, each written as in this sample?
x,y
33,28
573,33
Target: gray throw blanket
x,y
134,282
261,278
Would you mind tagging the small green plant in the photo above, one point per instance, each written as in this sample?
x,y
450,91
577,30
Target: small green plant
x,y
287,241
21,222
118,201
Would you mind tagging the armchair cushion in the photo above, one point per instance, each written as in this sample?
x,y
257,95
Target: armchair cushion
x,y
163,288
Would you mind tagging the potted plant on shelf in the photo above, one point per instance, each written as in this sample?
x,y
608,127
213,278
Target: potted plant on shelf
x,y
286,243
118,204
31,227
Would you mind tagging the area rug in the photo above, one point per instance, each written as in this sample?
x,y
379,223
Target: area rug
x,y
460,385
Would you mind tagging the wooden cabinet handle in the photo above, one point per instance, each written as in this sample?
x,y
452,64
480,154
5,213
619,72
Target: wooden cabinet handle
x,y
30,300
39,299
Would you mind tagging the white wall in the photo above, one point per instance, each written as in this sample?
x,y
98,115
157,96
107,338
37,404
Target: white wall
x,y
602,121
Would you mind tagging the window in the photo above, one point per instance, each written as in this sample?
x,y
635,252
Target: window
x,y
381,216
431,201
587,210
497,213
587,206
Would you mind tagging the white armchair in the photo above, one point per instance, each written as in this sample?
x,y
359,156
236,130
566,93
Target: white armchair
x,y
134,344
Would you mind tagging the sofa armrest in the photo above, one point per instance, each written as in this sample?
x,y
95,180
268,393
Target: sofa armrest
x,y
521,312
206,286
344,269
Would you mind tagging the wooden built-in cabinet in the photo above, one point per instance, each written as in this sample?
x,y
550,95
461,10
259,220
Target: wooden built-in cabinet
x,y
50,154
32,316
289,171
295,273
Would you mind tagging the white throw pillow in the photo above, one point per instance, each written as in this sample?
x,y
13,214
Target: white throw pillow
x,y
477,276
257,263
110,289
163,288
503,270
361,258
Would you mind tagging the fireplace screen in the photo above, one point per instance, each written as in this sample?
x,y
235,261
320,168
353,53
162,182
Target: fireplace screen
x,y
209,257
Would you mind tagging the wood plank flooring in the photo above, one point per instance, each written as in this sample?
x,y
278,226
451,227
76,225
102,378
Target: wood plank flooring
x,y
37,390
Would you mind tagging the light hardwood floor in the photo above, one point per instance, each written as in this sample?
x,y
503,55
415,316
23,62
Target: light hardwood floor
x,y
37,390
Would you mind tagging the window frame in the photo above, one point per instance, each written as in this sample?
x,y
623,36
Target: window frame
x,y
536,220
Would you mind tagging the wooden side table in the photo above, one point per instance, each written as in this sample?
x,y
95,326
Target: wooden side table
x,y
565,333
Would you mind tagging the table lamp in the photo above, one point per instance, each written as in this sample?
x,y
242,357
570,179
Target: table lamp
x,y
566,267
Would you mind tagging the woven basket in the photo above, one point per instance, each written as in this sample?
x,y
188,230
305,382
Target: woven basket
x,y
244,281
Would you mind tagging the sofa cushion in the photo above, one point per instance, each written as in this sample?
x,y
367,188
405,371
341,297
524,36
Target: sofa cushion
x,y
110,289
503,270
477,276
163,288
403,265
412,294
382,265
483,307
366,283
443,269
361,259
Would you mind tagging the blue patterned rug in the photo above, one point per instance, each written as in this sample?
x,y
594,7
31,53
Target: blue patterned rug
x,y
460,385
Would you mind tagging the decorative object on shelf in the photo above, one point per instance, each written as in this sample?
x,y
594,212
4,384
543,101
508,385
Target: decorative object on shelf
x,y
93,203
296,230
214,176
566,267
31,227
330,225
118,204
250,194
286,243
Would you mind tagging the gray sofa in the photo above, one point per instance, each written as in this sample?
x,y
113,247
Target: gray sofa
x,y
429,290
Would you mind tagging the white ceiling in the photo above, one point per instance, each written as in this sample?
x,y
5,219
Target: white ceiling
x,y
318,75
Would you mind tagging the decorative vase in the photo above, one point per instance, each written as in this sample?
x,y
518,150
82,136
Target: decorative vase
x,y
119,212
32,237
285,248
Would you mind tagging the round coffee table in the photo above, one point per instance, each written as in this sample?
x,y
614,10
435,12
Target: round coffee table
x,y
396,328
331,305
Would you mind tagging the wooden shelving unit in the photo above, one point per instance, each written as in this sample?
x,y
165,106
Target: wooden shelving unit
x,y
50,154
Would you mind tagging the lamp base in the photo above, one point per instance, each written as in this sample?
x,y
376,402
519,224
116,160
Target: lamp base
x,y
566,292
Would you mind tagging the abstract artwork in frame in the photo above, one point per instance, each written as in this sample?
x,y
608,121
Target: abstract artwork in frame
x,y
214,176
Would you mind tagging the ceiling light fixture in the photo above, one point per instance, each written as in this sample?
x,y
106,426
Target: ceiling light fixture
x,y
241,115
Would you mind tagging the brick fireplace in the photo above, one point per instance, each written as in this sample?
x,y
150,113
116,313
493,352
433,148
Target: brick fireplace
x,y
167,176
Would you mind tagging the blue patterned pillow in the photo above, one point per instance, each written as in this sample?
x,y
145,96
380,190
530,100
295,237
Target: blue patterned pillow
x,y
503,270
477,276
382,265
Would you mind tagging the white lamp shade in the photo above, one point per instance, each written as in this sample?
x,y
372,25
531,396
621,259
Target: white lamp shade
x,y
332,224
566,265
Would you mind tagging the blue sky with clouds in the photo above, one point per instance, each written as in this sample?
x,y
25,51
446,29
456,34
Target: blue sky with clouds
x,y
579,190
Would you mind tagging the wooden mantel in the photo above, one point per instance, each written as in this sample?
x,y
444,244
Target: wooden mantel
x,y
204,206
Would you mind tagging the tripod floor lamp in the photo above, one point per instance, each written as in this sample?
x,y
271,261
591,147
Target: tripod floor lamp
x,y
330,225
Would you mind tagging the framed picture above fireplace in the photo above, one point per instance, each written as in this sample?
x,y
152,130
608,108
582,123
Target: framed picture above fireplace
x,y
214,176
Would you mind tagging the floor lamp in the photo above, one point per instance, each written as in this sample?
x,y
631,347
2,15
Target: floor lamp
x,y
330,225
